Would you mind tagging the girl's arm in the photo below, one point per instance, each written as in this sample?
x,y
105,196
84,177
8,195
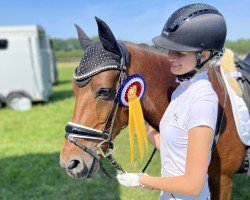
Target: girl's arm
x,y
153,136
198,153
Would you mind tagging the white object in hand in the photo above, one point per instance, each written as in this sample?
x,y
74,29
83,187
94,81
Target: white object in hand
x,y
129,179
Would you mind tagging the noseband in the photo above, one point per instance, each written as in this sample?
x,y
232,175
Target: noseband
x,y
75,131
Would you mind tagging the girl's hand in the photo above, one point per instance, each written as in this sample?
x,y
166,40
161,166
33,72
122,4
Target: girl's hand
x,y
130,179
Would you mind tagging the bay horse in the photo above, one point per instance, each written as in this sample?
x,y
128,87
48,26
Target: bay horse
x,y
95,88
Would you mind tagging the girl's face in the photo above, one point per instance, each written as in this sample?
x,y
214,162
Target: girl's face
x,y
181,62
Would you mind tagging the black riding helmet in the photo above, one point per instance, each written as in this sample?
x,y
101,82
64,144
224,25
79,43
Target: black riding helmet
x,y
195,27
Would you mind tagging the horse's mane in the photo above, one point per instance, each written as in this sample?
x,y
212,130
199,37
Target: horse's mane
x,y
148,47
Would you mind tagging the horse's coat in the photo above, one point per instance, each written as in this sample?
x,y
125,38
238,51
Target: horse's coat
x,y
154,66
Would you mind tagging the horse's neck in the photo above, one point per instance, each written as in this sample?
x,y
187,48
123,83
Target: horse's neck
x,y
155,68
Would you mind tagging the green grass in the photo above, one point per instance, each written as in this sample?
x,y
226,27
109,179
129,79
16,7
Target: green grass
x,y
29,156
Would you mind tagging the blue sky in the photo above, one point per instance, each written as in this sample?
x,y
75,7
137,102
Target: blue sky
x,y
132,20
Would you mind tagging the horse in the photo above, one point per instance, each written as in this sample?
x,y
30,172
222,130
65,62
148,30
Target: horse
x,y
96,109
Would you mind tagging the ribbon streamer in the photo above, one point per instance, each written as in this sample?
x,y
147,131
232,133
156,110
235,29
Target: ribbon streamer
x,y
136,124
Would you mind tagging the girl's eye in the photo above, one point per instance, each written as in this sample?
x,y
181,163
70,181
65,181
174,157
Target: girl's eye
x,y
177,53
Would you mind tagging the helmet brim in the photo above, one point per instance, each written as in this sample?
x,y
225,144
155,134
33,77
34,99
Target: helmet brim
x,y
167,44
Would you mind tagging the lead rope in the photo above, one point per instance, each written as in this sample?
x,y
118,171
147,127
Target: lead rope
x,y
117,166
149,160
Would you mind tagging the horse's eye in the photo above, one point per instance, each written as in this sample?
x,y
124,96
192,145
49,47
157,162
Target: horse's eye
x,y
103,92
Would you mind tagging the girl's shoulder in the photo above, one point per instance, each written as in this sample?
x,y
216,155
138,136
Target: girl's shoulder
x,y
203,91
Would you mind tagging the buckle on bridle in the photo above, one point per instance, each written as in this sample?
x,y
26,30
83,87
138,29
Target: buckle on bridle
x,y
109,150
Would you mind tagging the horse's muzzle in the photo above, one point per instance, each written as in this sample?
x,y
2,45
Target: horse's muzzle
x,y
77,168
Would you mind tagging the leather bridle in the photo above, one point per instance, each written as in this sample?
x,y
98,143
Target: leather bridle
x,y
75,131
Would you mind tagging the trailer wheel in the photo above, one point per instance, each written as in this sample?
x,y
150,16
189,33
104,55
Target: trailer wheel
x,y
18,101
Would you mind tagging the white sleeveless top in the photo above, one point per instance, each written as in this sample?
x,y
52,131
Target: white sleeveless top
x,y
193,103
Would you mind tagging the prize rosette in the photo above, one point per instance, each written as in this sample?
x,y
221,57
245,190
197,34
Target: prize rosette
x,y
131,81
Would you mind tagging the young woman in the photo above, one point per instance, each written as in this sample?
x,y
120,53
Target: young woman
x,y
193,36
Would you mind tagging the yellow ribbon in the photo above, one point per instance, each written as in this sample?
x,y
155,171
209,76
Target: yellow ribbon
x,y
136,124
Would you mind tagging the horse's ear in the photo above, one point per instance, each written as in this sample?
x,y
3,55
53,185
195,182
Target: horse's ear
x,y
84,40
106,37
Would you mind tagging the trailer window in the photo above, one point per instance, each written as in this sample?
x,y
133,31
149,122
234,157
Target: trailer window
x,y
3,44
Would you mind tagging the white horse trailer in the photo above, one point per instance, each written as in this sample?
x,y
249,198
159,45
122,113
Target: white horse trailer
x,y
26,60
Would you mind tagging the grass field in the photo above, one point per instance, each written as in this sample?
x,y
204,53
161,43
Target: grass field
x,y
29,156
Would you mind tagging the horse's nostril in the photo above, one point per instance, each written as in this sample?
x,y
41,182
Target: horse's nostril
x,y
77,169
73,164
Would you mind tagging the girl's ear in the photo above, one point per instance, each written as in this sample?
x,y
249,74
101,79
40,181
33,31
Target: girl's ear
x,y
205,55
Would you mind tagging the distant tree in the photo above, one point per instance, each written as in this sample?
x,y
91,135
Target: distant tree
x,y
95,38
239,46
72,44
58,44
69,44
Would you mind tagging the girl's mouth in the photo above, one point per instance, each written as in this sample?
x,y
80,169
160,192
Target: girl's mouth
x,y
174,66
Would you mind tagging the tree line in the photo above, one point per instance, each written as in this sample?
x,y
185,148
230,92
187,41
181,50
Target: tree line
x,y
70,48
68,44
240,46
